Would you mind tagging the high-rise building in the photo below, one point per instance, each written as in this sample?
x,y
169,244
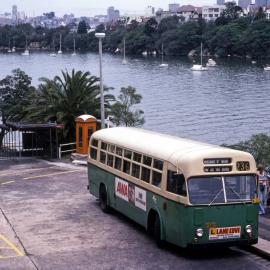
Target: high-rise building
x,y
244,3
261,3
14,13
174,7
220,2
112,14
150,11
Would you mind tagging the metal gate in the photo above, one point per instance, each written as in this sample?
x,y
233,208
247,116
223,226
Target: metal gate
x,y
28,140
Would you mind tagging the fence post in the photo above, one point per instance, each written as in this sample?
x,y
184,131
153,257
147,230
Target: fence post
x,y
59,152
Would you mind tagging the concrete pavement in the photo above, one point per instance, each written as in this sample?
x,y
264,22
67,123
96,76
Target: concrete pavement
x,y
54,223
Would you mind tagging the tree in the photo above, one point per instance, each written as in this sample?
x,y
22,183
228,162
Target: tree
x,y
122,112
232,11
15,92
258,145
82,28
260,14
61,100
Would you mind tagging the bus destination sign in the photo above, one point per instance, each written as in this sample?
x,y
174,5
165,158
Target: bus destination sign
x,y
215,161
217,169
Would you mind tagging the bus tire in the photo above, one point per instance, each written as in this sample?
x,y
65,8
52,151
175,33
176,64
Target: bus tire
x,y
157,233
103,199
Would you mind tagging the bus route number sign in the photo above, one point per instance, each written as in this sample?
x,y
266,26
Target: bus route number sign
x,y
242,166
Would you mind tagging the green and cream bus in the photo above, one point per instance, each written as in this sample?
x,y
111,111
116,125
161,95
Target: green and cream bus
x,y
182,191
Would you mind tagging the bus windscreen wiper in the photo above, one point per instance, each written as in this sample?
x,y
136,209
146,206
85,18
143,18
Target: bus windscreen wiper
x,y
216,196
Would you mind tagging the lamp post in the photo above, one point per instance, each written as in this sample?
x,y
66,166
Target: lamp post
x,y
100,36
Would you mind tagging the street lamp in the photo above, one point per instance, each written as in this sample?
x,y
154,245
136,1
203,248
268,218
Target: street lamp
x,y
100,36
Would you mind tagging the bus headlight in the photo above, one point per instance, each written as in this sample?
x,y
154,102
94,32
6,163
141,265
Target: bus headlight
x,y
199,232
249,229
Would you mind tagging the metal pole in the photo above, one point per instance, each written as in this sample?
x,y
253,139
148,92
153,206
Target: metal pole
x,y
101,86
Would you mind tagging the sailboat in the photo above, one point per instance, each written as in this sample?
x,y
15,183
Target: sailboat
x,y
60,44
53,54
211,63
9,50
162,58
26,51
13,45
74,48
124,62
200,67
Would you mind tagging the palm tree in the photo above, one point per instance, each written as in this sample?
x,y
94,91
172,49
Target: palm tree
x,y
61,100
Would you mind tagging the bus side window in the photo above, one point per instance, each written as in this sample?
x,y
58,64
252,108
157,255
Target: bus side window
x,y
102,157
145,174
104,146
127,154
119,151
93,153
158,164
94,142
156,179
110,160
118,163
126,167
147,161
135,170
176,183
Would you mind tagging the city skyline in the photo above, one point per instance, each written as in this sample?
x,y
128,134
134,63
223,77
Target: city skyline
x,y
86,8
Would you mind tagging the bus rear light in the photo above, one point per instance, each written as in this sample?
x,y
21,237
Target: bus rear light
x,y
199,232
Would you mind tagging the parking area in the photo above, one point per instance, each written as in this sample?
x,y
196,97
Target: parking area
x,y
48,220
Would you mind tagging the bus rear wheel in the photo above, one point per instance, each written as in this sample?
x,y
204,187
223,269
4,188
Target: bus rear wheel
x,y
103,198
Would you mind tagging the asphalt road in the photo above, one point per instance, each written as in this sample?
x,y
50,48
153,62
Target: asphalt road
x,y
48,220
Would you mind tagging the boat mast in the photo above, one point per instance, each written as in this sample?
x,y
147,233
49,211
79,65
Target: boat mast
x,y
124,51
60,49
201,53
162,54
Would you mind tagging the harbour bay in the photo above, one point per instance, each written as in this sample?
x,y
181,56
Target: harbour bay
x,y
225,104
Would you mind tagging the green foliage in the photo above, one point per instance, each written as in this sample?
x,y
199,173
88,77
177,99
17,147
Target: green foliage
x,y
64,98
122,110
82,28
15,91
258,145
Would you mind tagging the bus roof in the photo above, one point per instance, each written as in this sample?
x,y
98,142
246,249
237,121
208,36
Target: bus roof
x,y
178,151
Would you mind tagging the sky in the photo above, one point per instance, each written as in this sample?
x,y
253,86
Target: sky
x,y
90,7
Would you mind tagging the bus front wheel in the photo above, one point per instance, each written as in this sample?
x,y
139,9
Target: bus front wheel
x,y
103,198
157,233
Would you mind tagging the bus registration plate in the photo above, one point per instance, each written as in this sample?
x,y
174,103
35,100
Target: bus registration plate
x,y
224,233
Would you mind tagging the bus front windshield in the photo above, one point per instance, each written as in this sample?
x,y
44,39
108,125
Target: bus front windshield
x,y
221,189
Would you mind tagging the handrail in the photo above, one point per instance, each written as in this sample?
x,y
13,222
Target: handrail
x,y
61,151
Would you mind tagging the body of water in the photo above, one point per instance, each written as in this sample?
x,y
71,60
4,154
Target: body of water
x,y
225,104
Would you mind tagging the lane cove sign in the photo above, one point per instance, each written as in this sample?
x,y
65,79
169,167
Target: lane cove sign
x,y
224,233
130,193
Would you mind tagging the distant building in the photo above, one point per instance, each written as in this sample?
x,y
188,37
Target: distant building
x,y
220,2
211,13
173,7
113,15
261,3
14,13
189,12
267,13
149,11
244,3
